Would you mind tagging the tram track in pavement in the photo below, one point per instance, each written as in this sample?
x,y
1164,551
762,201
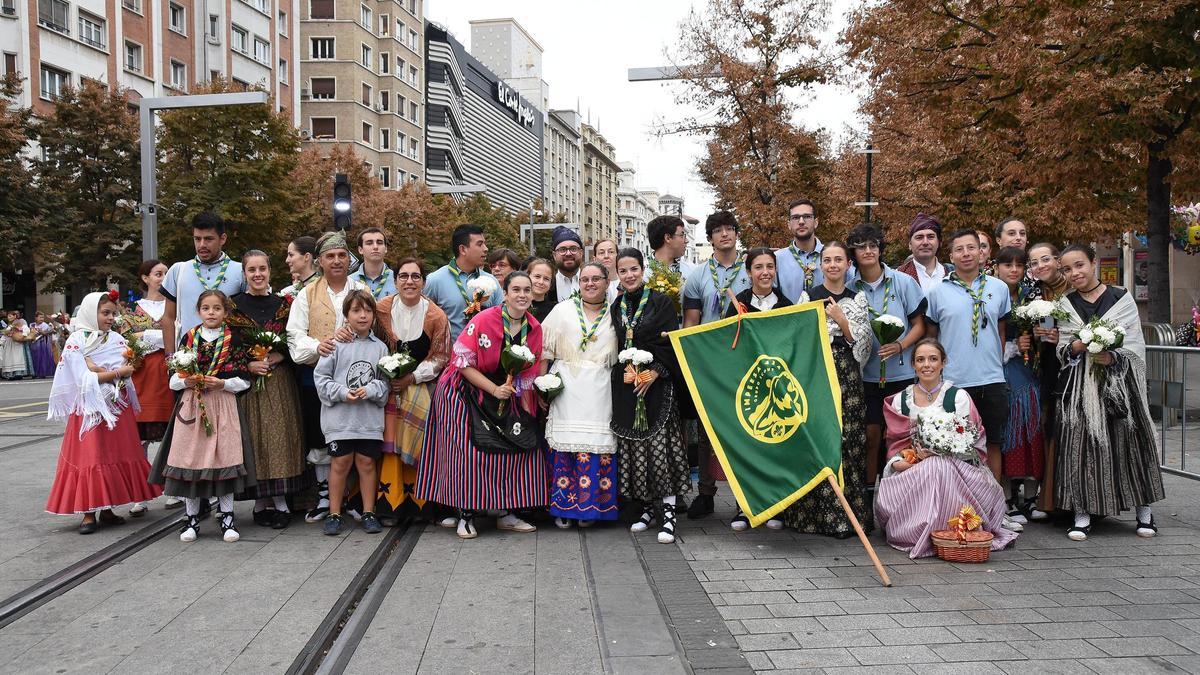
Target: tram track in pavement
x,y
336,638
23,602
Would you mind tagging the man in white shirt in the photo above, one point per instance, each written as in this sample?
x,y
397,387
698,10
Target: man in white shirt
x,y
568,256
924,239
315,317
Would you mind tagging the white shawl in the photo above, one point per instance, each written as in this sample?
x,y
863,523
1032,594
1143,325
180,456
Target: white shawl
x,y
76,389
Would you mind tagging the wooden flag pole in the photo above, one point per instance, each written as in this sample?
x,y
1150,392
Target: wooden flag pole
x,y
862,536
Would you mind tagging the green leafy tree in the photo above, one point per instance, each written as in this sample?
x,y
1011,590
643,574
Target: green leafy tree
x,y
499,226
90,179
234,160
19,199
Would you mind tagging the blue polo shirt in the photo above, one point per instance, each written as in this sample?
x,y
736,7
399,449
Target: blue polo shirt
x,y
381,286
950,308
442,289
905,301
790,263
700,293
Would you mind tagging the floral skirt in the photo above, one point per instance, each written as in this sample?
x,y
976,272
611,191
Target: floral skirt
x,y
584,486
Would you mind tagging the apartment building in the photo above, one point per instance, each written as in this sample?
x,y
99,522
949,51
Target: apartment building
x,y
363,65
600,169
151,47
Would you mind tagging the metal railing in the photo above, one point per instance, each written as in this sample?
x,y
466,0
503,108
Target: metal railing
x,y
1167,392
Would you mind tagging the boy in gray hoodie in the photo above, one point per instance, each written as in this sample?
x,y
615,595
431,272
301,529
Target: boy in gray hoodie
x,y
353,394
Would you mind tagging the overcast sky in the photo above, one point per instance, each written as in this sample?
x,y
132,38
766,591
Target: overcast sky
x,y
589,48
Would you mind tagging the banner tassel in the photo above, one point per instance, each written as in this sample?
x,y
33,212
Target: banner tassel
x,y
741,309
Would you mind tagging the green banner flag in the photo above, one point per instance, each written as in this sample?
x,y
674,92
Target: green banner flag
x,y
772,405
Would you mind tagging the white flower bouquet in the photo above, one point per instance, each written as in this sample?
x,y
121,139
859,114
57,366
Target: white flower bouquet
x,y
480,289
549,386
947,434
635,375
887,329
185,363
1043,313
1101,335
513,360
396,366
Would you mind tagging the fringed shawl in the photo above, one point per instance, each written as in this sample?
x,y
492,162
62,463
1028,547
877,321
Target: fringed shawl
x,y
78,391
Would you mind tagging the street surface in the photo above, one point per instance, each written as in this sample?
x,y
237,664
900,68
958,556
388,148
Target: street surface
x,y
594,601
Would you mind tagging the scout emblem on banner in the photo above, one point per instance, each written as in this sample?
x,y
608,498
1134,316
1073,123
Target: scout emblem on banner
x,y
767,392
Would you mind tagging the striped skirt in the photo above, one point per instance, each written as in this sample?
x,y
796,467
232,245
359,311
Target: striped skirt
x,y
454,473
912,504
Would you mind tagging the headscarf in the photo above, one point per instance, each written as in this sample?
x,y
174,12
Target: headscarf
x,y
87,320
925,222
331,241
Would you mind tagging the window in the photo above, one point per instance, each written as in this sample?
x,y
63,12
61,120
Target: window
x,y
178,75
366,94
320,9
214,25
283,23
401,102
366,56
385,62
366,137
413,41
283,71
385,23
413,150
132,5
91,30
133,56
413,110
412,76
385,139
324,88
412,7
322,48
241,40
262,50
400,66
53,15
323,127
240,85
385,176
10,63
177,18
8,7
385,100
53,82
401,140
400,178
365,20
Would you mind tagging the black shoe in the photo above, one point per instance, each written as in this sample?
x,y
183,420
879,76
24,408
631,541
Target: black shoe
x,y
282,520
701,506
370,524
333,524
87,527
264,518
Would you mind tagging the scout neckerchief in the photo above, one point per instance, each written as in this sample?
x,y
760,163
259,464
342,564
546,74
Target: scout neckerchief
x,y
863,286
630,324
377,284
809,270
976,303
730,277
522,332
224,260
458,279
589,334
221,348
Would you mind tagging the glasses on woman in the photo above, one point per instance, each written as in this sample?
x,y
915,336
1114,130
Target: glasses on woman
x,y
408,276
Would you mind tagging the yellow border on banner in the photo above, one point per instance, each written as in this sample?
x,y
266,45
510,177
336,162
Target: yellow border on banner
x,y
757,519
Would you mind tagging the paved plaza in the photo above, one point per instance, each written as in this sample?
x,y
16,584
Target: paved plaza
x,y
594,601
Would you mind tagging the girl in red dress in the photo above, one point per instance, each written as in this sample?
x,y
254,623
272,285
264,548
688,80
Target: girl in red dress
x,y
101,464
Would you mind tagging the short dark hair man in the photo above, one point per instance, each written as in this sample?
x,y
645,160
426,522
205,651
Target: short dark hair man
x,y
185,281
374,271
798,265
447,286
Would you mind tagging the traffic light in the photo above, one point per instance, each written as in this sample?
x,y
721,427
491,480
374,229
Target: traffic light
x,y
341,202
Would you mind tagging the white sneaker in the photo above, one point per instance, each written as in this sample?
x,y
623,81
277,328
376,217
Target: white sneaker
x,y
466,528
1036,514
448,522
1016,516
1010,524
514,524
562,523
774,524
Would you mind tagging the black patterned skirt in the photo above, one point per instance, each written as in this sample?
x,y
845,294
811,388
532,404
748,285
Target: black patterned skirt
x,y
820,512
656,467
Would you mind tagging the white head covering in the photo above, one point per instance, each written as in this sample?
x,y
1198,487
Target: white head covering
x,y
87,320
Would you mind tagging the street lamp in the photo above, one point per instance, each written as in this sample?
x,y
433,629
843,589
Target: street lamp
x,y
870,151
146,110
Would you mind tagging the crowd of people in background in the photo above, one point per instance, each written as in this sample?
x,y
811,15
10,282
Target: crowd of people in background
x,y
466,434
30,349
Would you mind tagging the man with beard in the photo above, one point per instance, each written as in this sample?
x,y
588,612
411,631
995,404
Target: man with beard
x,y
447,286
315,317
924,238
798,264
211,269
568,256
705,298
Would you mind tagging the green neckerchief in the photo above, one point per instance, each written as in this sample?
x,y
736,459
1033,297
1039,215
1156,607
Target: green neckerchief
x,y
631,323
976,302
589,334
224,260
730,277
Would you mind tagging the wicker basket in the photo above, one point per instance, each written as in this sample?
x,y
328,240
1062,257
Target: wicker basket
x,y
976,548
